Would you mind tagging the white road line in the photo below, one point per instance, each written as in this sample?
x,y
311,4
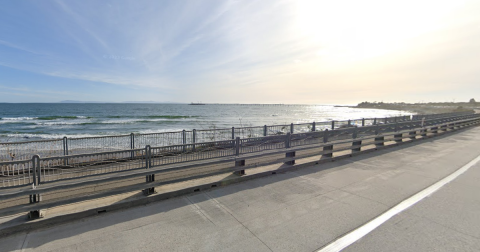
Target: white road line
x,y
360,232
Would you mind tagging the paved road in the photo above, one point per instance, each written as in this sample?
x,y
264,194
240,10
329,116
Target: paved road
x,y
300,211
448,220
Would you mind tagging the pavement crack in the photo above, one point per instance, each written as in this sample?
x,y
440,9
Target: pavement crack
x,y
25,242
233,216
200,210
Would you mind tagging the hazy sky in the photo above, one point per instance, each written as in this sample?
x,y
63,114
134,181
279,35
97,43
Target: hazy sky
x,y
268,51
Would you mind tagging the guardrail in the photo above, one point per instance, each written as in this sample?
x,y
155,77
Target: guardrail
x,y
18,173
11,151
54,174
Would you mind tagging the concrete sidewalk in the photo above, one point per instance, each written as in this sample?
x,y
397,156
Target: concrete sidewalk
x,y
300,210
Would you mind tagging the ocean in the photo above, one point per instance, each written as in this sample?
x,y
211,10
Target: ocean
x,y
37,121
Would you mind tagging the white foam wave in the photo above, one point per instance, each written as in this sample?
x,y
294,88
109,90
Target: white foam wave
x,y
23,118
27,136
129,121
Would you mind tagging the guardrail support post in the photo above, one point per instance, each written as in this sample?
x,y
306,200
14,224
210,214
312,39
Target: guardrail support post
x,y
375,121
363,122
445,127
151,177
35,198
355,132
398,138
239,163
423,132
147,156
289,155
413,135
313,126
288,138
357,145
379,141
333,125
237,146
325,136
291,128
233,132
265,130
327,151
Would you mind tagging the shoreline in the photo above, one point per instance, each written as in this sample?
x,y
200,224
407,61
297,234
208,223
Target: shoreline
x,y
421,108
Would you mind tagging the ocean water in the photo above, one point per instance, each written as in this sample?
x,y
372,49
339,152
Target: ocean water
x,y
28,121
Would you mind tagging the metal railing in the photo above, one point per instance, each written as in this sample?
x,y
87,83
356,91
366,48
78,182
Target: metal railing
x,y
46,169
11,151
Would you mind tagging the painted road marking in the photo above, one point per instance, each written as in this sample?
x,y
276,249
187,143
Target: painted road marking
x,y
360,232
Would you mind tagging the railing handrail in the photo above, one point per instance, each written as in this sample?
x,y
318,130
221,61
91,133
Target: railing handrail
x,y
196,136
214,142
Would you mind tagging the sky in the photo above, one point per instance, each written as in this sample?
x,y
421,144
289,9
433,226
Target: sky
x,y
240,51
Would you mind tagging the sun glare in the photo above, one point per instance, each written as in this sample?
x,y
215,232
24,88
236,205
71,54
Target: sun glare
x,y
350,31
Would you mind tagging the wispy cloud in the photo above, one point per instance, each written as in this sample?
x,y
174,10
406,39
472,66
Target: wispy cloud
x,y
246,50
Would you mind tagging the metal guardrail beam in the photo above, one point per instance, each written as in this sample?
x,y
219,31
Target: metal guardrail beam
x,y
325,152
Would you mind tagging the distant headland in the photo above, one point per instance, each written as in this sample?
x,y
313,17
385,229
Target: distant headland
x,y
423,108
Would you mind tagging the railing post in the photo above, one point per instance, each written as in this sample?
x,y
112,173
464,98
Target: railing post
x,y
237,146
385,120
194,135
132,145
355,133
287,140
291,128
363,122
65,148
184,139
34,198
375,121
151,177
313,126
349,123
64,145
65,151
325,135
333,124
233,132
265,130
147,156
